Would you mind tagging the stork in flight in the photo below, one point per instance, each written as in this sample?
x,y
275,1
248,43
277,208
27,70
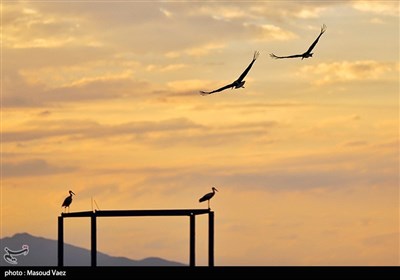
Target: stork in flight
x,y
239,83
68,200
308,53
208,196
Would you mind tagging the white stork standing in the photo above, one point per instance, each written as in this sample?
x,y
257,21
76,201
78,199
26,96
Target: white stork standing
x,y
68,200
208,196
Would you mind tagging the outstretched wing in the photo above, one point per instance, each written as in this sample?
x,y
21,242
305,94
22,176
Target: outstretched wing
x,y
323,29
240,79
255,56
217,90
280,57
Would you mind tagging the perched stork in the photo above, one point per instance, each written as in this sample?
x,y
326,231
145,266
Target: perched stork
x,y
308,53
208,196
239,83
68,200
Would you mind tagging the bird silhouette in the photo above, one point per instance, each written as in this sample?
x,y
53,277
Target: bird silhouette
x,y
68,200
308,53
239,83
208,196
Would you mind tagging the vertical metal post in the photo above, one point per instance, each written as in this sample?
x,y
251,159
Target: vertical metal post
x,y
60,241
192,259
211,239
93,240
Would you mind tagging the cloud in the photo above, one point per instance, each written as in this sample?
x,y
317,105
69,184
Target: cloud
x,y
166,13
219,136
44,113
377,21
356,143
33,167
87,129
388,8
309,12
29,91
39,77
253,107
394,144
337,121
294,9
387,239
328,171
227,12
31,28
196,51
177,133
61,77
347,71
185,85
57,71
61,26
257,11
165,68
269,32
204,49
87,24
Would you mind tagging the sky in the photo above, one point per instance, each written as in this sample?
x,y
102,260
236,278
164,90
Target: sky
x,y
102,98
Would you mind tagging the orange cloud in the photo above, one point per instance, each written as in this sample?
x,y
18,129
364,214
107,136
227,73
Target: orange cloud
x,y
269,32
347,71
390,8
165,68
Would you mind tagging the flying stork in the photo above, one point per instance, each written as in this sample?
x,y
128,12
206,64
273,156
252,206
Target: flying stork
x,y
208,196
239,83
68,200
308,53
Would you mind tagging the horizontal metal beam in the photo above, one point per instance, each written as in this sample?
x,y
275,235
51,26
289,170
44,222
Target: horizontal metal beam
x,y
137,213
78,214
164,212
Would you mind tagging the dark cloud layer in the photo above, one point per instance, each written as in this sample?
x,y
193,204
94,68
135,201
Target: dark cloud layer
x,y
34,167
87,129
172,132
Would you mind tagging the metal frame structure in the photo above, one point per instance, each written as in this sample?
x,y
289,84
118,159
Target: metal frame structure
x,y
192,213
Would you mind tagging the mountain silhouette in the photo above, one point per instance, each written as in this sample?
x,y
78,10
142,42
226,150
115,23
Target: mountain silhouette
x,y
43,252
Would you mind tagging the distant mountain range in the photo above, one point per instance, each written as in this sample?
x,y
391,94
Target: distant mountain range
x,y
43,252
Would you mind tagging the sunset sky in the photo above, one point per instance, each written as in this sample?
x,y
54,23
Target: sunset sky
x,y
102,98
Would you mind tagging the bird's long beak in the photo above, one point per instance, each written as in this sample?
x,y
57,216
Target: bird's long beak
x,y
73,193
215,189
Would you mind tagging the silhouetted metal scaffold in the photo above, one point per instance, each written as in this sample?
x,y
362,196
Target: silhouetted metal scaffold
x,y
192,213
